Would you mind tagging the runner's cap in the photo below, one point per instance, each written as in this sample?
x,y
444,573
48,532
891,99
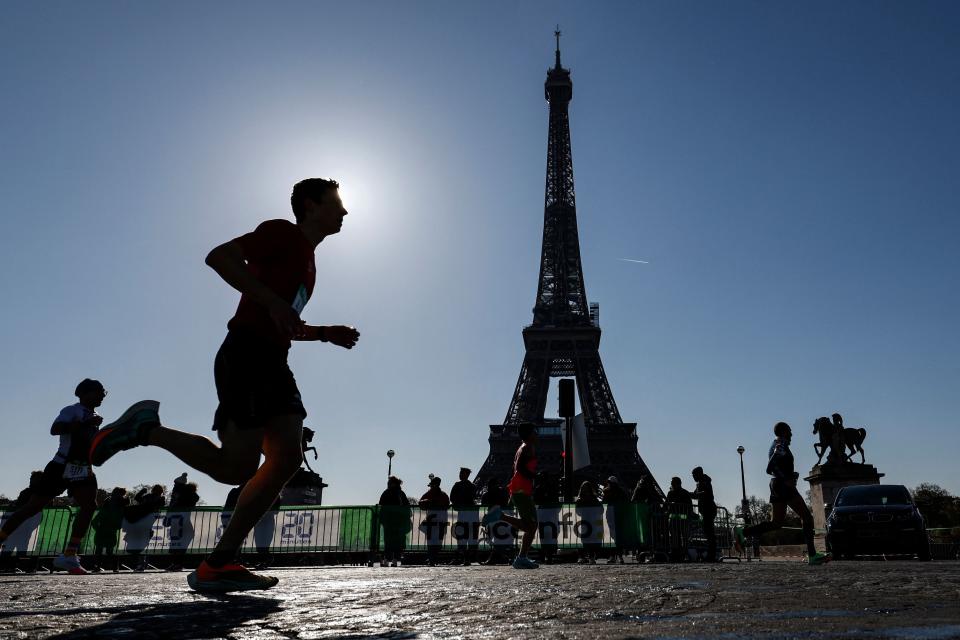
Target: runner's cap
x,y
87,385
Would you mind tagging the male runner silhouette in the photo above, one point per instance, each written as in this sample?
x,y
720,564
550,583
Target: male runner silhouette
x,y
260,406
69,471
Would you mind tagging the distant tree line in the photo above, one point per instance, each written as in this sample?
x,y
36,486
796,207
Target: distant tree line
x,y
939,507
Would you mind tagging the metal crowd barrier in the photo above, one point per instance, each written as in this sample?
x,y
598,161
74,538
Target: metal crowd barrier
x,y
364,531
677,535
286,530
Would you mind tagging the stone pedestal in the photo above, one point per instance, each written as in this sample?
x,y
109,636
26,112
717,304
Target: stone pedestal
x,y
827,479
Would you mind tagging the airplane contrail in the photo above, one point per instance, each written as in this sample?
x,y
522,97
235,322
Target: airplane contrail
x,y
632,260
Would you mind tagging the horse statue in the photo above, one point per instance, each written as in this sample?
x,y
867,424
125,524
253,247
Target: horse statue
x,y
826,430
838,439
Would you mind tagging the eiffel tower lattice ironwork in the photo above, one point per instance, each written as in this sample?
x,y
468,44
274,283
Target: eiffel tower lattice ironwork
x,y
564,338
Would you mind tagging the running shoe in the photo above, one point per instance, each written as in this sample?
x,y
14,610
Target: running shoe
x,y
739,540
523,562
491,516
819,558
229,577
128,431
70,564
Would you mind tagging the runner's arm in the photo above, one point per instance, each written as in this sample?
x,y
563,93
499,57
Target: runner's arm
x,y
59,428
339,335
229,261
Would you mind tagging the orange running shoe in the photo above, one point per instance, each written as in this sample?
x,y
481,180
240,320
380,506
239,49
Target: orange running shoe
x,y
229,577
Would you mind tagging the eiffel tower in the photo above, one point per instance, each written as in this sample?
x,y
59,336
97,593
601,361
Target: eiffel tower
x,y
564,338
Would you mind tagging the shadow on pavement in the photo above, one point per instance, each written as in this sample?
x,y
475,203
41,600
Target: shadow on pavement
x,y
213,618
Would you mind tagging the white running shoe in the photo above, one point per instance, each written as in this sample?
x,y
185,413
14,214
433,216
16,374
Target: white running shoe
x,y
70,564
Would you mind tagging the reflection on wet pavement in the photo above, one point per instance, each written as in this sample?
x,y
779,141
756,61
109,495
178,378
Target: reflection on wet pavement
x,y
913,601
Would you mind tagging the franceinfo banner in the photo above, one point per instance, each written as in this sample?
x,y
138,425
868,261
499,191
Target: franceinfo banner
x,y
562,525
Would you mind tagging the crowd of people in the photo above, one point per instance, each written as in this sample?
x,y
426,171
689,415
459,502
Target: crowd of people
x,y
465,498
517,505
118,512
530,490
122,516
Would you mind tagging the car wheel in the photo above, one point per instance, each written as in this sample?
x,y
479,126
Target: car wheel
x,y
923,553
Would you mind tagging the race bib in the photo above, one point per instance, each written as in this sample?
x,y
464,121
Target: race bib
x,y
76,471
300,300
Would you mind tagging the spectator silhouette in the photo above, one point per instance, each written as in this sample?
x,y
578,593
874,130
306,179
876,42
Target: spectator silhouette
x,y
106,528
680,507
679,499
617,515
546,495
707,507
24,496
395,520
646,493
463,499
19,540
435,503
183,499
586,503
496,494
138,525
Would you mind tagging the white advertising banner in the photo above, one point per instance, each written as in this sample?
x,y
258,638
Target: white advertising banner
x,y
286,530
24,537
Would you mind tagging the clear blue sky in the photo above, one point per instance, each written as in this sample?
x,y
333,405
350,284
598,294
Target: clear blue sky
x,y
789,171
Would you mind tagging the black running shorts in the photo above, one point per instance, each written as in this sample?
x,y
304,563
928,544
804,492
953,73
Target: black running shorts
x,y
782,491
254,382
52,483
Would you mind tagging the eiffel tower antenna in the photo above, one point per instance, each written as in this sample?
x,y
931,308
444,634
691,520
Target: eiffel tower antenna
x,y
557,34
564,338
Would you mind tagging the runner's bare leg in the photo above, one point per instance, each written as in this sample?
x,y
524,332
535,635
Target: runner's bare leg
x,y
234,462
86,497
283,453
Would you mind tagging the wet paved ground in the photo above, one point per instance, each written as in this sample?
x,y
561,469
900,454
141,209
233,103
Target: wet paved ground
x,y
910,600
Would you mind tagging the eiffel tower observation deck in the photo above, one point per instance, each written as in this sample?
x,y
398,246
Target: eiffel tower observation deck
x,y
564,338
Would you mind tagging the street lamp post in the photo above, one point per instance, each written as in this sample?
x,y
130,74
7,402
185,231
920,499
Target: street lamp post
x,y
390,455
744,505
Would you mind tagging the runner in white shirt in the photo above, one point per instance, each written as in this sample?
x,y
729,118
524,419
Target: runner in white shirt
x,y
68,471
